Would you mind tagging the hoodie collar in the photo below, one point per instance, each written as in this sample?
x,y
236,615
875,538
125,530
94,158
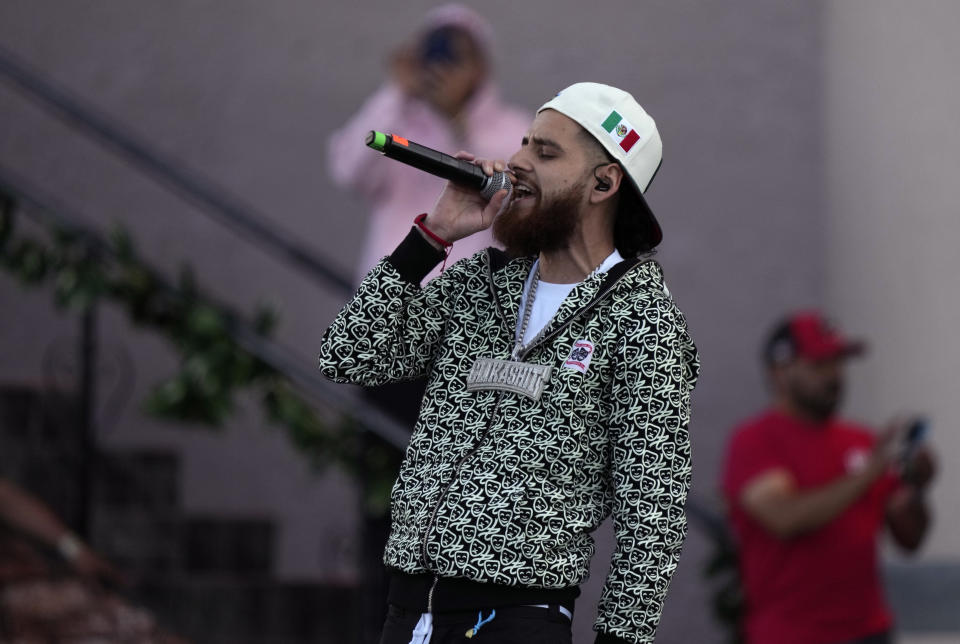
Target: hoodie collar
x,y
507,279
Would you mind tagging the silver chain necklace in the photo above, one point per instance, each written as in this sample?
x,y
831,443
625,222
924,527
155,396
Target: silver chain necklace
x,y
527,311
518,345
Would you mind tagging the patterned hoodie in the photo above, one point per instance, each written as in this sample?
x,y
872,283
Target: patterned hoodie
x,y
499,488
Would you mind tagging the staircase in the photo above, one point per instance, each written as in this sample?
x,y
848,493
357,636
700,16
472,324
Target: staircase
x,y
208,578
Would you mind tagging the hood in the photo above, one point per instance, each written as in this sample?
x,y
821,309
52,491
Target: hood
x,y
652,277
691,357
457,15
648,275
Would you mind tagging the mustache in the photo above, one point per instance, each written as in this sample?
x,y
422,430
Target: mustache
x,y
520,176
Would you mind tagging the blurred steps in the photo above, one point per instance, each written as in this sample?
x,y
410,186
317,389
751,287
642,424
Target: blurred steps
x,y
136,516
40,446
242,548
207,578
226,610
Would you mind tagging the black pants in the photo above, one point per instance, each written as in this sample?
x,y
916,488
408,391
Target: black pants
x,y
511,625
879,638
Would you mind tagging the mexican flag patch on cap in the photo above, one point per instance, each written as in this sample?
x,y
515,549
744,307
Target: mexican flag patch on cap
x,y
620,131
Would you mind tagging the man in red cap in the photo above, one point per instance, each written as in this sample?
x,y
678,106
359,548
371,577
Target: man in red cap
x,y
808,495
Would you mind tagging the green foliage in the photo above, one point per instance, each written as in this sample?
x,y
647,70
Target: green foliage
x,y
214,368
727,603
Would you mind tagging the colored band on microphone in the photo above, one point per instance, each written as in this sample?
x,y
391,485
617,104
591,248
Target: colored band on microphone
x,y
376,140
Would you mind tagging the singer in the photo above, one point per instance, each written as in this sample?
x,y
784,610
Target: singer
x,y
559,381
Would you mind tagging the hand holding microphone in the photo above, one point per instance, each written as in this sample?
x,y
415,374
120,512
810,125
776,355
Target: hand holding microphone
x,y
461,211
477,191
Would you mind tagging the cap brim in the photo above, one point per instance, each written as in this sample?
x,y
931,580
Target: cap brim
x,y
844,349
652,230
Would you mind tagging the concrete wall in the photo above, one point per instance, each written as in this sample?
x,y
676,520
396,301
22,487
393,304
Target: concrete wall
x,y
248,91
891,138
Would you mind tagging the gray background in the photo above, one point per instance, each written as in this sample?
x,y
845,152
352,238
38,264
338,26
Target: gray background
x,y
247,92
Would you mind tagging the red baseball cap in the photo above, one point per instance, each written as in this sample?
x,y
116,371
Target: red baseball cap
x,y
806,334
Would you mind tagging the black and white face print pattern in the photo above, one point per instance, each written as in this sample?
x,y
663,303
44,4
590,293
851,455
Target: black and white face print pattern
x,y
499,488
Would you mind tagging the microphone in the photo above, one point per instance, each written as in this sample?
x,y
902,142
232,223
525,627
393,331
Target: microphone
x,y
438,164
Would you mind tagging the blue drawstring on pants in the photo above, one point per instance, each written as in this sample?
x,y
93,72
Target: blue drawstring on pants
x,y
480,622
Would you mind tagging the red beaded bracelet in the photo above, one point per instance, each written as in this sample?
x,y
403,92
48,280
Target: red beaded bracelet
x,y
418,220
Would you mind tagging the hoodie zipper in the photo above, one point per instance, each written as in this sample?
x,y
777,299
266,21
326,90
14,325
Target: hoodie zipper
x,y
436,507
471,452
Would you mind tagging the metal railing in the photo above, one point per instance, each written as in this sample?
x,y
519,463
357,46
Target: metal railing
x,y
212,200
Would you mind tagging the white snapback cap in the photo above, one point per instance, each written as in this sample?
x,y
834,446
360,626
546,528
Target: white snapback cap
x,y
624,129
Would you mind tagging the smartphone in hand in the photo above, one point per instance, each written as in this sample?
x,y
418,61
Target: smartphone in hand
x,y
915,436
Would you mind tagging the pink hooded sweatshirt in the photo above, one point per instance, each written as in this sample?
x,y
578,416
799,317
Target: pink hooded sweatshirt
x,y
397,193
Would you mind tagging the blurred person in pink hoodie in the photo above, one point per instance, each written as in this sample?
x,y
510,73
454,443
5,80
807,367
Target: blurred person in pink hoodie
x,y
440,94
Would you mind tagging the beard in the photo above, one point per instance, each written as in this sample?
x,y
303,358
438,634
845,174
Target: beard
x,y
821,404
547,227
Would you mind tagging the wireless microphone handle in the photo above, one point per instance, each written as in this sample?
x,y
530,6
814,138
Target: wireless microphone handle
x,y
437,163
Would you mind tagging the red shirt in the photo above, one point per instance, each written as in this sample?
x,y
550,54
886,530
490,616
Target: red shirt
x,y
824,586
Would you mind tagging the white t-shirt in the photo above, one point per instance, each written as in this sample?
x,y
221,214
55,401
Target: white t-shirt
x,y
550,296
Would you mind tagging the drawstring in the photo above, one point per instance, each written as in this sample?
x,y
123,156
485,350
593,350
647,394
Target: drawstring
x,y
480,622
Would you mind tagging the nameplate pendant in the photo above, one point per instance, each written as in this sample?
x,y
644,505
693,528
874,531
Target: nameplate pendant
x,y
508,375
